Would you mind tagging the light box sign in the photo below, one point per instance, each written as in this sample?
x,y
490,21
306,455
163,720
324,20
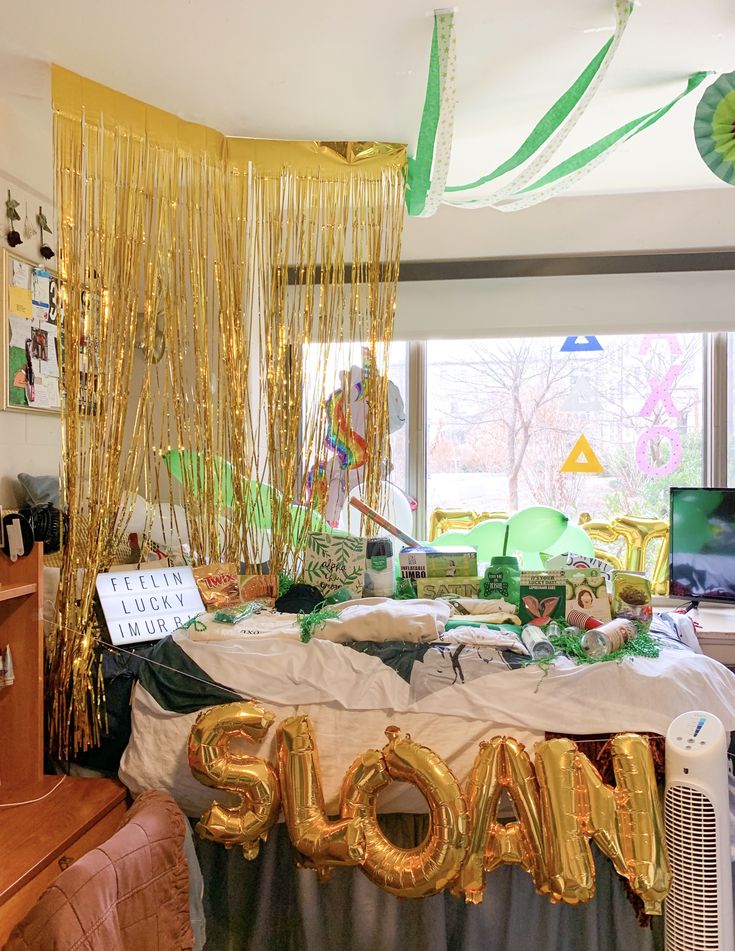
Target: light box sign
x,y
147,605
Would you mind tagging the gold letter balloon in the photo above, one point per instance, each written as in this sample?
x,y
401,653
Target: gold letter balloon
x,y
560,803
626,823
214,762
431,866
323,843
502,765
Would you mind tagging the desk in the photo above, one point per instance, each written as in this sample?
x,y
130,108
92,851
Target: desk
x,y
716,631
39,840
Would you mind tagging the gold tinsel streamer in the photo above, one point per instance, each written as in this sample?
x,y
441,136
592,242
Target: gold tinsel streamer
x,y
238,254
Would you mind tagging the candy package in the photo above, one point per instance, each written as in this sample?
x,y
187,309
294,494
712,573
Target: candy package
x,y
219,585
631,597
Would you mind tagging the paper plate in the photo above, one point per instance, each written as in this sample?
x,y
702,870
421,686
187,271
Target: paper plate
x,y
714,127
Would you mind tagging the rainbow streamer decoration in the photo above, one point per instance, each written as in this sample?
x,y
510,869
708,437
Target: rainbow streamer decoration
x,y
347,444
316,481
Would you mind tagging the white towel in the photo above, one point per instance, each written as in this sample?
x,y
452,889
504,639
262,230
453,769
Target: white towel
x,y
491,611
383,619
484,637
265,623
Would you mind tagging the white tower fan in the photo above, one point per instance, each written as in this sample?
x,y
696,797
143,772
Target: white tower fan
x,y
699,909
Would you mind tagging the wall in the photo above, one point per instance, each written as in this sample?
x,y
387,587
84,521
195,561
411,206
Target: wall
x,y
625,222
627,303
659,221
28,443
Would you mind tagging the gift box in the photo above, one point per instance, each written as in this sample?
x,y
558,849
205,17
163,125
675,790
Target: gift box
x,y
543,597
586,591
427,562
448,587
335,560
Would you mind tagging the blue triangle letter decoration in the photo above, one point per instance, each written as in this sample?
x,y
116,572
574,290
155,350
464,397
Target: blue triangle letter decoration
x,y
580,345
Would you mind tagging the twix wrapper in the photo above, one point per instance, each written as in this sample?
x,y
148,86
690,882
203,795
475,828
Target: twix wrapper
x,y
219,585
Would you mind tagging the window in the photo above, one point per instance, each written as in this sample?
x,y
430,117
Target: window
x,y
506,418
603,425
323,378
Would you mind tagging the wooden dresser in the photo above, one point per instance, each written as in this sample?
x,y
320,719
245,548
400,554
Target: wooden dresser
x,y
40,840
72,815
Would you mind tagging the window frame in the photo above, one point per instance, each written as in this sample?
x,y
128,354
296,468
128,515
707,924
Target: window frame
x,y
715,371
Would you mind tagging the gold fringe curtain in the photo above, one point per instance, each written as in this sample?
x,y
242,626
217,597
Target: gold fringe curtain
x,y
230,255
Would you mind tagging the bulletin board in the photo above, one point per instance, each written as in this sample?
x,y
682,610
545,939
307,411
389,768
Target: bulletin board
x,y
30,336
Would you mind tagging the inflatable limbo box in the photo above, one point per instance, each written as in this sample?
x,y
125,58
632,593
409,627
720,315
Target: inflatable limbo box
x,y
427,562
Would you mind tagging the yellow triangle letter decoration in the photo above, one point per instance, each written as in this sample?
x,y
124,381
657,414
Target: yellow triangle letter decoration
x,y
582,458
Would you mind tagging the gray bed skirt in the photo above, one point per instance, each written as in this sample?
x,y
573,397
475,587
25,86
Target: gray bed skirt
x,y
270,905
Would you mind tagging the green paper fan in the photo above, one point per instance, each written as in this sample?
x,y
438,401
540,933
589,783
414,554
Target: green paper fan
x,y
714,127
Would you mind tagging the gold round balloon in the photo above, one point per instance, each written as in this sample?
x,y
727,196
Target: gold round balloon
x,y
436,862
254,781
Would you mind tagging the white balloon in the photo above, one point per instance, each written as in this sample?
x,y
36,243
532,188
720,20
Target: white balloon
x,y
261,546
395,507
138,516
168,526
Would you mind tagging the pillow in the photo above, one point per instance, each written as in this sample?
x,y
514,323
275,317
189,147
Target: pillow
x,y
40,490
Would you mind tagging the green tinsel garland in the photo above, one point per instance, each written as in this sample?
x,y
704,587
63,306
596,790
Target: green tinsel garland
x,y
405,590
313,621
285,583
642,645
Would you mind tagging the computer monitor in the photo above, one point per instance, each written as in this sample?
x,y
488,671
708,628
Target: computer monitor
x,y
702,552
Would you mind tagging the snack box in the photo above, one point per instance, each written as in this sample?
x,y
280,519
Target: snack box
x,y
428,562
572,560
448,587
257,587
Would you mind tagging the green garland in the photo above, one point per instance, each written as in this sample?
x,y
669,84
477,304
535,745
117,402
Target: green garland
x,y
313,621
285,583
405,590
642,645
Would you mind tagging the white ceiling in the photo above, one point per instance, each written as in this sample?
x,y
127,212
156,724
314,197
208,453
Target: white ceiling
x,y
335,69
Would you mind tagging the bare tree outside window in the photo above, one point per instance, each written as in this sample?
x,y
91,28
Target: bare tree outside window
x,y
504,415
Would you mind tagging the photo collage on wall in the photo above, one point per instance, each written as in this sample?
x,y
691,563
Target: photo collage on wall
x,y
32,355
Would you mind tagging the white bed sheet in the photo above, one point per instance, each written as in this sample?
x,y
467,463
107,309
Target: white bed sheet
x,y
352,697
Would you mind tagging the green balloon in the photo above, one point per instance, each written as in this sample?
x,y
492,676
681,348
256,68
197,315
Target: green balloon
x,y
191,467
531,561
535,528
195,469
575,539
690,532
301,518
487,537
450,540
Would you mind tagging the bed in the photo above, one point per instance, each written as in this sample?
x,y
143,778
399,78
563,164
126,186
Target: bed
x,y
449,697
